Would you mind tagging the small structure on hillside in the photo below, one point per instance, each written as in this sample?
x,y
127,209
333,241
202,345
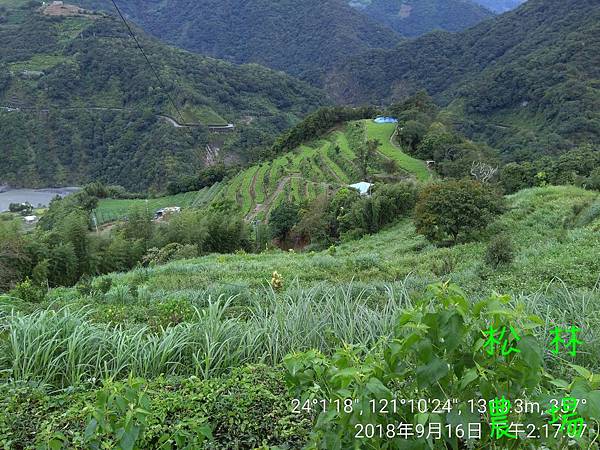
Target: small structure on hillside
x,y
363,188
167,212
30,220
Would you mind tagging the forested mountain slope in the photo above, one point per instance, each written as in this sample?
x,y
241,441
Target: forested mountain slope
x,y
525,81
302,38
417,17
500,6
80,103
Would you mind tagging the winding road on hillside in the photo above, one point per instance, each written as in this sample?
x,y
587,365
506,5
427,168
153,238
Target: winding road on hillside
x,y
214,128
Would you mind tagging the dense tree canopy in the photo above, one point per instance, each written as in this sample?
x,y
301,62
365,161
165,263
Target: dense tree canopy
x,y
303,38
523,82
417,17
455,209
89,107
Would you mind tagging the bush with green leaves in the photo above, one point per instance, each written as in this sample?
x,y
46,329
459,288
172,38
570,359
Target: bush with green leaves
x,y
500,251
246,409
440,354
452,209
170,252
28,292
282,219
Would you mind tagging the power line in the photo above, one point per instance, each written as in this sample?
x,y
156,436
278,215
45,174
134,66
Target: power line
x,y
162,85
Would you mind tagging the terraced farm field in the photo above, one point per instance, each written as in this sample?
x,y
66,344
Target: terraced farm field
x,y
299,176
111,210
303,174
383,133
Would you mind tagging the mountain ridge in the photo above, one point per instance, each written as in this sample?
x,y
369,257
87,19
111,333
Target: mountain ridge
x,y
412,18
284,35
531,71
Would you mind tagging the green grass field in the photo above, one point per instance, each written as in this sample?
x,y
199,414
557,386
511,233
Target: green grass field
x,y
259,187
383,133
110,210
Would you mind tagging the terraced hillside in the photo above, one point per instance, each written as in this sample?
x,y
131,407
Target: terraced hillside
x,y
315,167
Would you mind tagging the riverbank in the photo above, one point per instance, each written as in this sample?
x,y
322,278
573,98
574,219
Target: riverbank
x,y
37,197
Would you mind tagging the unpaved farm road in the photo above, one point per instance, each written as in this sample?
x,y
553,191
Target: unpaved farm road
x,y
170,120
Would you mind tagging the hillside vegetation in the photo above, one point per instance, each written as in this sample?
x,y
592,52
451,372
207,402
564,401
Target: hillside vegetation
x,y
321,166
500,6
448,300
192,327
301,38
525,82
80,103
111,209
413,18
565,219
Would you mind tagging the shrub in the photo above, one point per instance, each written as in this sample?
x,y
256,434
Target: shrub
x,y
500,251
439,353
28,292
282,219
364,262
249,408
102,285
444,265
453,209
170,252
120,295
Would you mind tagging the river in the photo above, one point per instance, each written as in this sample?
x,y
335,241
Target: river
x,y
37,197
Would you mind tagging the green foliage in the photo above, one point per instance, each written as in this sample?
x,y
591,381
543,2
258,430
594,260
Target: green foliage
x,y
62,249
172,413
437,353
317,124
273,35
348,216
493,78
455,208
102,112
411,134
414,18
500,251
580,166
28,292
282,219
119,418
170,252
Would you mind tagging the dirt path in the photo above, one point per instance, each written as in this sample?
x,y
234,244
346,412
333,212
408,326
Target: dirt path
x,y
253,185
266,206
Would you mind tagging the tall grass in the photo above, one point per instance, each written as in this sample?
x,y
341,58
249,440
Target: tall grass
x,y
563,307
63,347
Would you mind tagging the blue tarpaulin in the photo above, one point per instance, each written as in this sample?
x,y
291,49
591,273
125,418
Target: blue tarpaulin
x,y
386,120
